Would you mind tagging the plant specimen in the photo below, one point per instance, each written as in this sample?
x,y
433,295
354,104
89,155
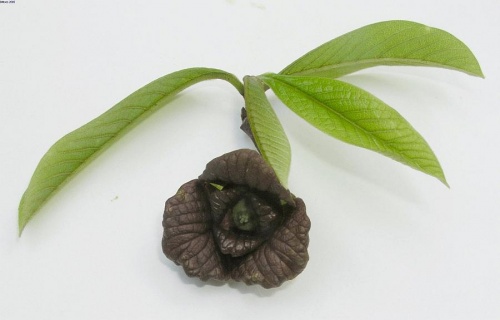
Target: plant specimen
x,y
238,220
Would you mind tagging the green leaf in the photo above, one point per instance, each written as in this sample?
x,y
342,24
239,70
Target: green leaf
x,y
353,115
78,148
267,131
389,43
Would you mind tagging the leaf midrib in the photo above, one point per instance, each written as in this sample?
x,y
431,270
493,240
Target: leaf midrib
x,y
151,108
374,137
215,74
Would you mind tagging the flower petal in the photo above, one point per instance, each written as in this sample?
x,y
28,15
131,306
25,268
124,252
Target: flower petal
x,y
282,257
246,167
187,237
234,244
229,239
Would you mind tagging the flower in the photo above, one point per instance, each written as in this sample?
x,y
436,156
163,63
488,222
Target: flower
x,y
236,221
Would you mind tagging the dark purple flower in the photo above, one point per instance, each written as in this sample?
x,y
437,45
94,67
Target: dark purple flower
x,y
236,221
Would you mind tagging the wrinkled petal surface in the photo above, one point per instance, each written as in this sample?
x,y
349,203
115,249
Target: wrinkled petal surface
x,y
187,237
282,257
246,167
230,241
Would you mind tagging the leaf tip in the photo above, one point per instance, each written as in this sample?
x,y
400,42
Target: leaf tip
x,y
442,178
21,225
23,216
476,70
446,184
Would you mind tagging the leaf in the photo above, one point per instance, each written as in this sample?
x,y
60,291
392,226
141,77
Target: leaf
x,y
353,115
268,133
389,43
78,148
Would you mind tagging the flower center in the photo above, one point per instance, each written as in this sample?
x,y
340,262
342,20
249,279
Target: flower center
x,y
244,216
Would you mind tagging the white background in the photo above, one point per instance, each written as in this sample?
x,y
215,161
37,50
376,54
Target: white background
x,y
387,242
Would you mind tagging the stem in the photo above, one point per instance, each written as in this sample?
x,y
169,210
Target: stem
x,y
234,81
